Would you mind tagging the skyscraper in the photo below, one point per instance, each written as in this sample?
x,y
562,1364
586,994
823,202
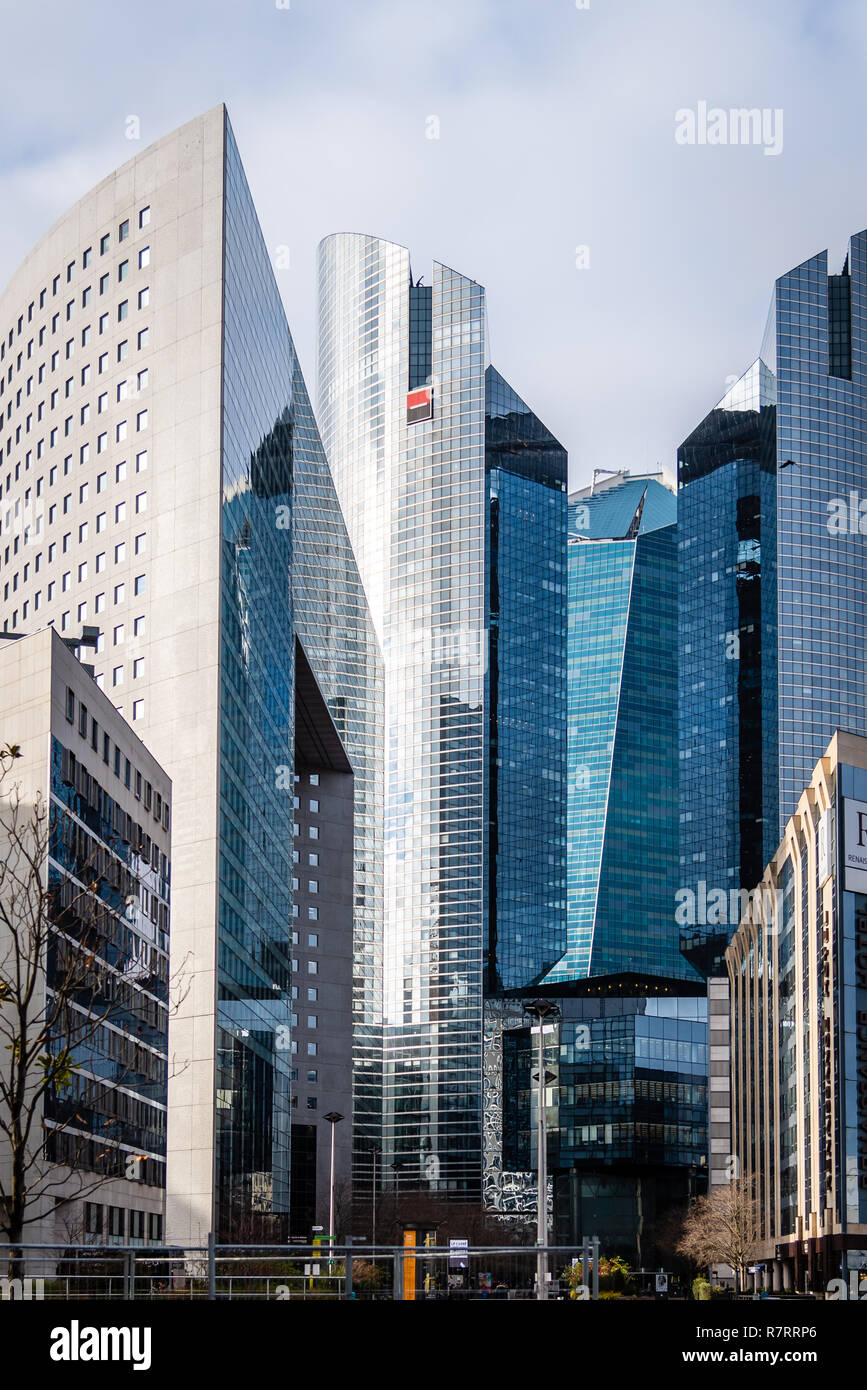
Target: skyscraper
x,y
161,474
626,1107
622,739
454,495
772,577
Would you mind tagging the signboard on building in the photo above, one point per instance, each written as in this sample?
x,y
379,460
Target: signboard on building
x,y
824,847
409,1245
855,845
419,405
458,1254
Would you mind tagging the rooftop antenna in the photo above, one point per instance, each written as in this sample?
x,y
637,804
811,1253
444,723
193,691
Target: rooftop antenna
x,y
597,472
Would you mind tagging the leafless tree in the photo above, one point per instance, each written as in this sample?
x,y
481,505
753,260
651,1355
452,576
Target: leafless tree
x,y
68,967
722,1228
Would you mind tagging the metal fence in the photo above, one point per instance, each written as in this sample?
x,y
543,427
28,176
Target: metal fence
x,y
152,1273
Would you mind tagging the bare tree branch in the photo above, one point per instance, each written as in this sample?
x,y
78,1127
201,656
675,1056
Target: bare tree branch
x,y
84,1005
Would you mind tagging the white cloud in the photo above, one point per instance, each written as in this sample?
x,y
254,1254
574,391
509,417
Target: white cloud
x,y
556,130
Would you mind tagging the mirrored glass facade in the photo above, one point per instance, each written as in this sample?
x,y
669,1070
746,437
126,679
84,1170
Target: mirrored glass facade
x,y
526,586
626,1112
279,579
177,500
772,576
622,753
256,730
728,638
333,621
422,497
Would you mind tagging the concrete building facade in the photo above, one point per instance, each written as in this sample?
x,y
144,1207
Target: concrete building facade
x,y
797,969
162,479
96,807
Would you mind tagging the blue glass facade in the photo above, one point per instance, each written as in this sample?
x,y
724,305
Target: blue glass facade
x,y
727,639
333,621
622,730
627,1112
772,575
115,1104
287,568
256,730
526,584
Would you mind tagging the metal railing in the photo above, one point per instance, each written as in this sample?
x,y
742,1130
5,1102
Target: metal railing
x,y
285,1273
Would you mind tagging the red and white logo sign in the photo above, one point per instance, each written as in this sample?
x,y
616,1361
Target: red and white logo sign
x,y
419,404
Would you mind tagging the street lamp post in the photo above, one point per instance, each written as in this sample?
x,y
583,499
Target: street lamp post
x,y
542,1009
333,1117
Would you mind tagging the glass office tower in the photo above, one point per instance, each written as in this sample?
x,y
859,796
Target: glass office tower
x,y
333,622
772,580
526,587
626,1113
626,1107
622,753
163,482
454,497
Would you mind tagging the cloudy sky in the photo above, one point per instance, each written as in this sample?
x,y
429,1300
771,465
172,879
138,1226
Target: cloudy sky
x,y
556,131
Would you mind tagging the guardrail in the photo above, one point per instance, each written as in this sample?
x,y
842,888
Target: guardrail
x,y
284,1273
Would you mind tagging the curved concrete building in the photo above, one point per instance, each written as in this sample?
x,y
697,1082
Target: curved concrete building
x,y
159,462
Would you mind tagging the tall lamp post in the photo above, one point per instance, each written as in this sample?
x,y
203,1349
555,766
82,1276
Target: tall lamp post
x,y
333,1117
542,1010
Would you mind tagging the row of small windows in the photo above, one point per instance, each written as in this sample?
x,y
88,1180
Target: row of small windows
x,y
19,514
103,364
103,323
124,391
119,1221
113,820
13,516
52,364
123,231
132,777
97,1155
139,587
16,519
121,432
